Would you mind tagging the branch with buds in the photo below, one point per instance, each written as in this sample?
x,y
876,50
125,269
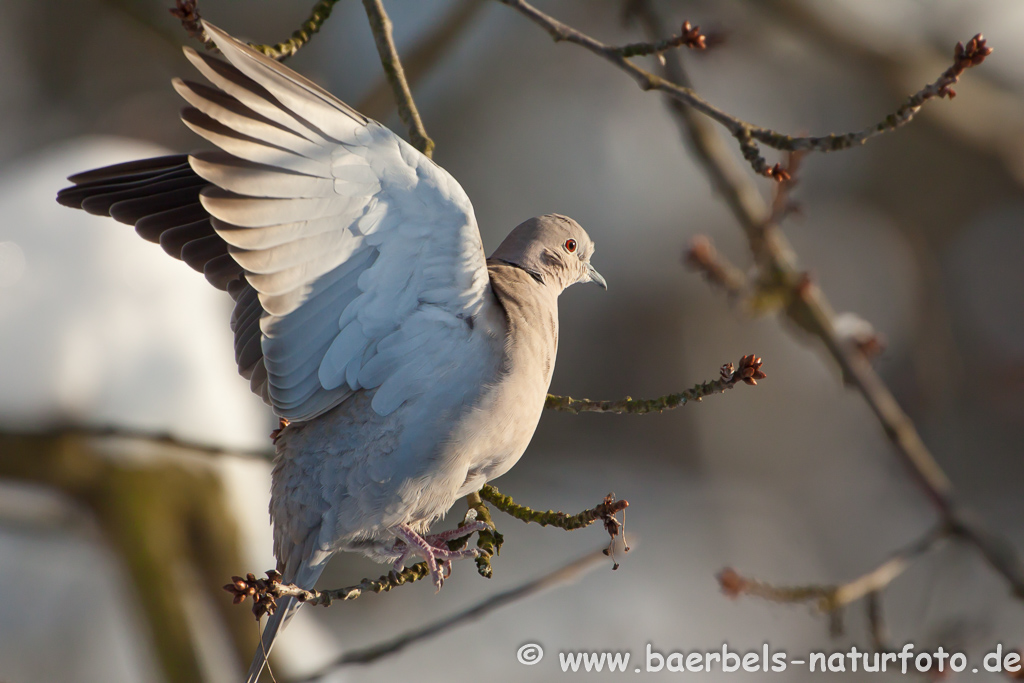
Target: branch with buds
x,y
747,134
832,599
748,372
264,592
690,37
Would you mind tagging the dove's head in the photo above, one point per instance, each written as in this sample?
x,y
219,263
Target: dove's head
x,y
552,248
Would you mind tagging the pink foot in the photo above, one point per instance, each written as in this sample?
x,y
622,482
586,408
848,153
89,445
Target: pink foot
x,y
433,548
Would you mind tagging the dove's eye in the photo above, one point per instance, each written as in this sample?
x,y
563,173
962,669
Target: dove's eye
x,y
570,245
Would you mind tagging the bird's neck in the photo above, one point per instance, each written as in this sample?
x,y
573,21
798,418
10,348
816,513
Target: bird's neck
x,y
531,311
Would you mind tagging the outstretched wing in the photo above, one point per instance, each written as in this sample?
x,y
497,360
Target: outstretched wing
x,y
361,256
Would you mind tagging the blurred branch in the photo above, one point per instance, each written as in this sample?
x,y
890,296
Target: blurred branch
x,y
749,372
809,309
380,24
423,57
565,574
158,517
832,599
690,36
129,433
188,12
746,133
702,257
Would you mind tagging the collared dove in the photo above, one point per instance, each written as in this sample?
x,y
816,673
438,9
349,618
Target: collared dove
x,y
411,370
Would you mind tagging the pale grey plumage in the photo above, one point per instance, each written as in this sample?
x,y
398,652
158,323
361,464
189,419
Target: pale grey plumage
x,y
412,370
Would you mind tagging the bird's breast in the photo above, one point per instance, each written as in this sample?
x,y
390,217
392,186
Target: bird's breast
x,y
496,432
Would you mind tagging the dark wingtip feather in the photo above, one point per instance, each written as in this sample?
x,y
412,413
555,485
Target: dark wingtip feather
x,y
155,164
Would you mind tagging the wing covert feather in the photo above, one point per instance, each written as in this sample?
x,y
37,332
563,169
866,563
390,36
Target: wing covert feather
x,y
364,255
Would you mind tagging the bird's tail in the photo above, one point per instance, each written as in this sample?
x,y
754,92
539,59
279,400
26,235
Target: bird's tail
x,y
305,576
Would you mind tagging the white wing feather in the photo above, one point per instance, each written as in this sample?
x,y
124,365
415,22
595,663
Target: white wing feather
x,y
365,254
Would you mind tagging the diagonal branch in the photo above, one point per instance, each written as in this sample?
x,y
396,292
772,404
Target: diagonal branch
x,y
809,309
747,134
748,372
380,24
565,574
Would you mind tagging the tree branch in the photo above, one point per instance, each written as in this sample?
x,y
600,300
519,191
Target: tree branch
x,y
188,12
690,37
747,134
488,541
380,24
265,592
605,511
833,598
749,372
807,306
565,574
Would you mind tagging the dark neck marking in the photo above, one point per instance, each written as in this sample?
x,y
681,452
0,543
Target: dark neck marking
x,y
534,274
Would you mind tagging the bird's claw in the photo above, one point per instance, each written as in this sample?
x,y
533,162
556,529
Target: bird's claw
x,y
434,550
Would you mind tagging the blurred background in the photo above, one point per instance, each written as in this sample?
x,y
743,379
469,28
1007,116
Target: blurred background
x,y
113,550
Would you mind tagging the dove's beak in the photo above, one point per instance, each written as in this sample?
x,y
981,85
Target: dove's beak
x,y
595,277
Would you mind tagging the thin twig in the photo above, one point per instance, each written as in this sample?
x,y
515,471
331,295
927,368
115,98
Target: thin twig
x,y
748,134
690,37
702,257
266,592
569,572
809,309
876,621
833,598
380,24
159,438
749,372
302,35
422,57
605,511
488,541
188,12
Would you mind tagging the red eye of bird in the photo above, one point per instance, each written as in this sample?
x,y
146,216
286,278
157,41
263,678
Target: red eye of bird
x,y
570,245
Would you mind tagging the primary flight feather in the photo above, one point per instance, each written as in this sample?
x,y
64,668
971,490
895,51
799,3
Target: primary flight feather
x,y
411,369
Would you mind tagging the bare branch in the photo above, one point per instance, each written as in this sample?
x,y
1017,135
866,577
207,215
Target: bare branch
x,y
690,37
748,134
380,24
702,257
188,12
604,511
302,35
810,310
488,541
160,438
265,592
565,574
830,599
379,102
749,372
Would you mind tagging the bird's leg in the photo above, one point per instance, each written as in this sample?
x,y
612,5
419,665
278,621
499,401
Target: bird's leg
x,y
417,545
440,540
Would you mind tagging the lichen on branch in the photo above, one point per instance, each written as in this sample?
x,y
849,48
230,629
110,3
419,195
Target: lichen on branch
x,y
748,372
